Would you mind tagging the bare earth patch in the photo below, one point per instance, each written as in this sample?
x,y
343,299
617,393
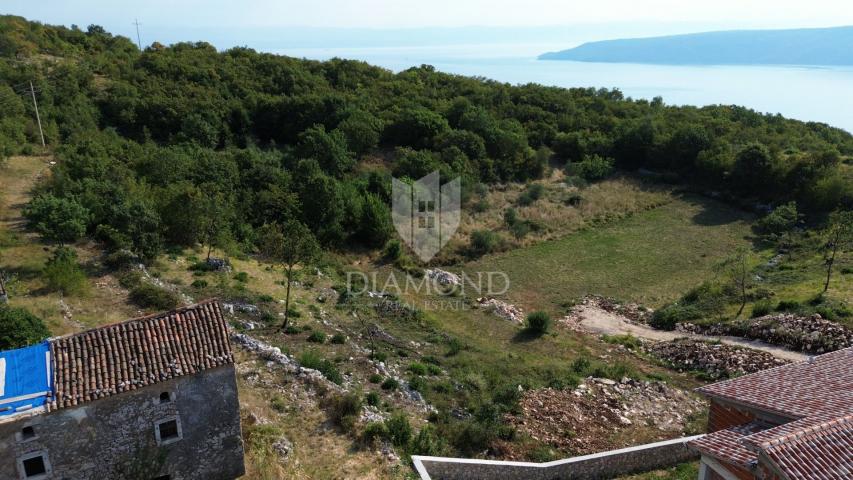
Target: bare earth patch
x,y
602,414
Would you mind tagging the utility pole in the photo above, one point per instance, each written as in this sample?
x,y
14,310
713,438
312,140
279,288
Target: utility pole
x,y
138,39
38,118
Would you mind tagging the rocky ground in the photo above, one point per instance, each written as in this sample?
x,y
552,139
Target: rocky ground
x,y
601,412
714,360
502,309
811,334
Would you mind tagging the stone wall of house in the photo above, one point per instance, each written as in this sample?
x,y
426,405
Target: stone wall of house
x,y
603,465
115,437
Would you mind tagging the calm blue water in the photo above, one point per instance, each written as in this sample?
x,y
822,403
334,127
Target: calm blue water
x,y
823,94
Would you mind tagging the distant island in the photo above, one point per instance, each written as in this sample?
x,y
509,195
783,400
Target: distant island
x,y
811,46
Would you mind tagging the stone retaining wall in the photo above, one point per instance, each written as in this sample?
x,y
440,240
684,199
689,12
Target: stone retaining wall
x,y
604,465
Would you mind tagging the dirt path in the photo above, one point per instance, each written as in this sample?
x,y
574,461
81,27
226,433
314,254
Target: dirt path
x,y
597,320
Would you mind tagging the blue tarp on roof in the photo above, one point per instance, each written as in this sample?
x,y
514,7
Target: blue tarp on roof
x,y
25,379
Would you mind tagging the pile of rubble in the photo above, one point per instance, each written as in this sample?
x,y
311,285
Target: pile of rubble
x,y
584,420
715,360
811,334
631,311
502,309
442,277
290,365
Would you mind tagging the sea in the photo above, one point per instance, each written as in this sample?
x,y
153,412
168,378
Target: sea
x,y
810,93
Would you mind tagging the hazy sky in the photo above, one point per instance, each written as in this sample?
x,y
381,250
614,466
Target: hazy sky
x,y
431,13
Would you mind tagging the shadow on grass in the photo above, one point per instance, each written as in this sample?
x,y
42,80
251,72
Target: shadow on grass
x,y
526,335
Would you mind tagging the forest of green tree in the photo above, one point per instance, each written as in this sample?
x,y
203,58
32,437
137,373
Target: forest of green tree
x,y
181,144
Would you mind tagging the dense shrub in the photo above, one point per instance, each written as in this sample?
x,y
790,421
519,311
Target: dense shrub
x,y
390,384
344,409
782,219
63,274
372,399
20,328
317,337
592,168
532,193
313,360
761,308
538,323
147,295
399,430
484,241
668,317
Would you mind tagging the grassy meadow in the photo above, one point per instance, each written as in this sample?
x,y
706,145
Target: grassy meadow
x,y
650,257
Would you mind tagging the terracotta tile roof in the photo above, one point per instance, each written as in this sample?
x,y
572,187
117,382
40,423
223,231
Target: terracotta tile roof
x,y
726,444
822,452
819,387
816,443
136,353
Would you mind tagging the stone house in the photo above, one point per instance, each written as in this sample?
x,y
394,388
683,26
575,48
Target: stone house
x,y
150,398
785,423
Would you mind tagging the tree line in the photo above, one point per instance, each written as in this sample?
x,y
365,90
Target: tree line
x,y
183,144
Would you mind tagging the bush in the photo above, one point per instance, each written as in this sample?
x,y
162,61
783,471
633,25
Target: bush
x,y
484,241
762,308
63,274
399,430
591,168
317,337
533,192
20,328
538,323
344,409
121,259
418,384
667,317
390,384
241,277
151,296
427,442
417,368
375,378
372,399
339,339
374,431
310,359
782,219
788,306
199,284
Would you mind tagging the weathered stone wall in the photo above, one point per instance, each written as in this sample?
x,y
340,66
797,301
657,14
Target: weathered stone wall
x,y
115,437
589,467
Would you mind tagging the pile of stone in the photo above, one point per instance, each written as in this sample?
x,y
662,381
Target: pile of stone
x,y
218,264
443,277
810,334
275,356
631,311
502,309
715,360
585,419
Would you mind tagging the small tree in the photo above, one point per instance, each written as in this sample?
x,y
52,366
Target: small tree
x,y
19,328
216,216
289,244
59,219
736,269
839,240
